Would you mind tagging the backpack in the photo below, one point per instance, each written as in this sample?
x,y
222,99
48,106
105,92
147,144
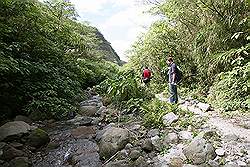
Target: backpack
x,y
179,75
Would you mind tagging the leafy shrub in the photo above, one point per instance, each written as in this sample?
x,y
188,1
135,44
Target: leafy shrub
x,y
124,89
231,90
155,110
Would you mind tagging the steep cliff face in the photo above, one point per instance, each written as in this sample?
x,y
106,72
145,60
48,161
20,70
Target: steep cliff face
x,y
109,53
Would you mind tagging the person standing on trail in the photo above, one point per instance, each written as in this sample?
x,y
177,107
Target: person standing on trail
x,y
172,79
146,75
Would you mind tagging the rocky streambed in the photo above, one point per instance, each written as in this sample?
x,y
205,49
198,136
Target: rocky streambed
x,y
99,136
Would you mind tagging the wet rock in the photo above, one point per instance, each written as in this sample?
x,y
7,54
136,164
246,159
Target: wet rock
x,y
169,118
13,128
120,163
199,151
37,138
113,140
88,110
86,154
16,145
10,152
185,135
2,144
20,162
52,146
23,118
170,138
220,152
153,132
134,154
86,121
84,132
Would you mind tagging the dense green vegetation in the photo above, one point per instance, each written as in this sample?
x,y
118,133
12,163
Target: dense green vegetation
x,y
47,58
209,41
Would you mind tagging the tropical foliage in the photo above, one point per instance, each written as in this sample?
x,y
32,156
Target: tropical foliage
x,y
47,58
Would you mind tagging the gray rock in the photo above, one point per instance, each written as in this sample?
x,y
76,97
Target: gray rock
x,y
38,138
185,135
156,141
220,151
13,128
88,110
140,162
213,163
17,145
86,154
120,163
85,132
203,106
101,110
169,118
10,152
23,118
170,138
199,151
231,164
2,144
128,146
20,162
153,132
175,162
121,155
113,140
241,163
134,154
147,145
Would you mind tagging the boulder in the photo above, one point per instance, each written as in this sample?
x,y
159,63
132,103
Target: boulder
x,y
23,118
153,132
134,154
9,152
88,110
169,118
185,135
37,138
199,151
147,145
37,116
170,138
20,162
113,140
13,128
203,106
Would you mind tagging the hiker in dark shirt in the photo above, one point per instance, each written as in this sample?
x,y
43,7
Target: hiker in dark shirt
x,y
172,73
146,75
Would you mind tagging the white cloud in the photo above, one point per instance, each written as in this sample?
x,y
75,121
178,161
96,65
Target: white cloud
x,y
89,6
120,28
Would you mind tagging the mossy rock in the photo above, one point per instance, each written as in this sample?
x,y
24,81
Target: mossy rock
x,y
38,138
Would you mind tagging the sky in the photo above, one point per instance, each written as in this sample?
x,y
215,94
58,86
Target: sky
x,y
120,21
